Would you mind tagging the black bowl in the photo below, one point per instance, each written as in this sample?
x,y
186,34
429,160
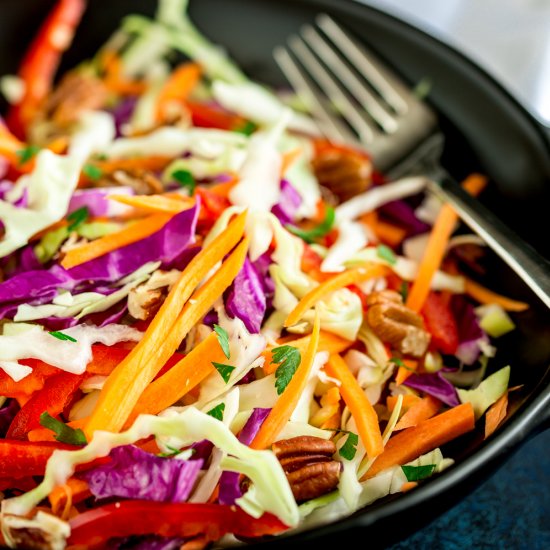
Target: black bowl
x,y
486,130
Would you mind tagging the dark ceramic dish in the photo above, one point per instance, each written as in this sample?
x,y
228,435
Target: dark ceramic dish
x,y
486,130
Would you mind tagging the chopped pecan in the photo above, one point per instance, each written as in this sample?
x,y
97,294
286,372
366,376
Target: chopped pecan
x,y
143,303
395,323
43,532
143,182
343,173
308,465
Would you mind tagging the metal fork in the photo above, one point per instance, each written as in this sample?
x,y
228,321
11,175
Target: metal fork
x,y
356,99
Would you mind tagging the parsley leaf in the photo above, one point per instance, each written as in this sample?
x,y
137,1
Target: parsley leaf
x,y
397,361
386,253
288,358
172,452
309,235
63,433
404,291
62,336
248,128
27,153
223,339
349,448
77,218
416,473
92,171
217,412
185,179
224,370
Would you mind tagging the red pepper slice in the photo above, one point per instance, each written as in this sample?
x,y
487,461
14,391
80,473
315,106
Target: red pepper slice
x,y
53,397
40,63
440,323
95,527
206,116
31,383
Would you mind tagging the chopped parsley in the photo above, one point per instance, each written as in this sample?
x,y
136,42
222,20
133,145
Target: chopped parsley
x,y
417,473
386,253
77,218
63,433
288,358
223,339
172,451
217,411
62,336
349,448
310,235
92,171
248,128
224,370
27,153
185,179
404,291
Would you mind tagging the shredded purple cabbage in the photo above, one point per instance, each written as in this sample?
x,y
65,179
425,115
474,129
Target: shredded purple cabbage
x,y
470,333
403,213
434,384
122,112
230,489
96,201
246,298
289,203
7,413
136,474
150,542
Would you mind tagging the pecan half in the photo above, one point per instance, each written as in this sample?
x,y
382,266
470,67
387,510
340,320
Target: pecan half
x,y
43,532
395,323
343,173
143,182
308,465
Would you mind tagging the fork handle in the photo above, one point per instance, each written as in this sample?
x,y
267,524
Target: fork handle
x,y
520,256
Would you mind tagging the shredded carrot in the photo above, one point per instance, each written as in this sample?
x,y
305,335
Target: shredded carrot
x,y
352,276
327,342
330,405
153,163
426,436
485,296
73,491
360,407
408,401
289,158
113,79
408,486
223,189
10,146
45,434
180,379
156,203
177,88
285,405
168,328
387,232
132,233
149,446
58,145
420,410
333,423
404,372
437,245
496,414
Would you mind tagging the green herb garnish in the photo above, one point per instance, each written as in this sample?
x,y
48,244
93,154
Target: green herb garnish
x,y
63,433
27,154
386,253
349,448
248,128
217,411
288,358
62,336
172,451
185,179
224,370
404,291
223,339
310,235
92,172
77,218
417,473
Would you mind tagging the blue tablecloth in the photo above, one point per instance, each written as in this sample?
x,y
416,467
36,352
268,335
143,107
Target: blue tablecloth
x,y
511,510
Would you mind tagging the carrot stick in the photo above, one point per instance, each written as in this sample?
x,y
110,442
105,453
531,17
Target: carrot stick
x,y
437,245
404,372
74,490
337,282
327,342
285,405
156,203
45,434
485,296
177,88
496,414
408,401
387,232
362,411
130,234
180,379
153,163
421,410
289,158
169,327
429,434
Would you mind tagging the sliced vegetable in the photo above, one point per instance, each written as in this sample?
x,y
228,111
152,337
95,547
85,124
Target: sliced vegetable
x,y
486,296
496,414
434,384
311,235
440,323
63,432
420,410
494,320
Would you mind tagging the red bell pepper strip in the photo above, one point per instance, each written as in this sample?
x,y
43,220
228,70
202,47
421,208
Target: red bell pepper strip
x,y
440,323
54,397
40,63
206,116
31,383
95,527
21,459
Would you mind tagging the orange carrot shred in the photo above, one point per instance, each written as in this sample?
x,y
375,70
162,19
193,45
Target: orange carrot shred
x,y
421,410
289,158
156,203
496,414
485,296
404,372
177,88
362,411
408,401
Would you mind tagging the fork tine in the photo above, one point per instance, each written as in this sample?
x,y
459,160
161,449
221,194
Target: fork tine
x,y
332,90
380,79
368,100
329,125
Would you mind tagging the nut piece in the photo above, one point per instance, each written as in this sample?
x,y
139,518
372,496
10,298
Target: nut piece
x,y
344,173
43,532
145,299
308,465
143,182
397,324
